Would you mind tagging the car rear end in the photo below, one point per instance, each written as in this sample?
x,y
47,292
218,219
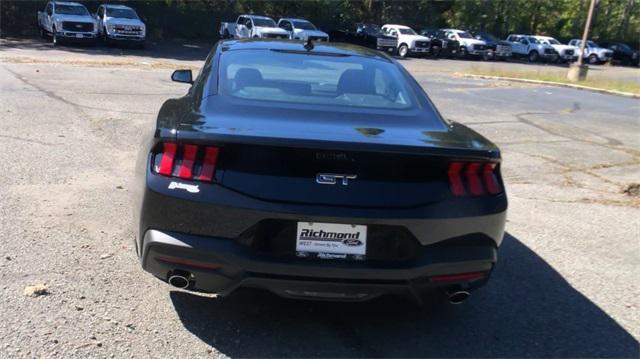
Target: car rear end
x,y
309,205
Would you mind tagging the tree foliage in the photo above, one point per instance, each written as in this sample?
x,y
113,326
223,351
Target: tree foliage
x,y
564,19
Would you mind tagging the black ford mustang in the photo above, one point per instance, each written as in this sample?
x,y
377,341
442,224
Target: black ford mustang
x,y
315,172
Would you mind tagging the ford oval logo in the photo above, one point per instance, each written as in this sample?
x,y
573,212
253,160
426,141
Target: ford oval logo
x,y
352,242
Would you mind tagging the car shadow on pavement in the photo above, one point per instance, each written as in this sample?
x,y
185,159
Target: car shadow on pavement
x,y
182,50
527,309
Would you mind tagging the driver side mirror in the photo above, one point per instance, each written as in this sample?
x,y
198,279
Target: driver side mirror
x,y
184,76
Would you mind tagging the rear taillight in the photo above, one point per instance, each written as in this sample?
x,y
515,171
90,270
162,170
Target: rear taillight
x,y
189,161
473,178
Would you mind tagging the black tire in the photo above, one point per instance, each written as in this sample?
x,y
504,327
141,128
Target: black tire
x,y
435,52
403,50
462,53
54,37
43,34
533,56
226,34
593,59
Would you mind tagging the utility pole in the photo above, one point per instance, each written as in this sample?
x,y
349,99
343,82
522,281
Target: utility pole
x,y
578,71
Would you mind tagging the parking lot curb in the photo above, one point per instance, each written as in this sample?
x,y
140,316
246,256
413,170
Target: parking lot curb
x,y
540,82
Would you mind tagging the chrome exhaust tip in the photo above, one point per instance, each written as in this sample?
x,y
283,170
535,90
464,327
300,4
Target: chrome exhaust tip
x,y
458,296
179,280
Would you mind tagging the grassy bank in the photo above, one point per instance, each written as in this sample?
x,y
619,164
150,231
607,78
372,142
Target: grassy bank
x,y
558,76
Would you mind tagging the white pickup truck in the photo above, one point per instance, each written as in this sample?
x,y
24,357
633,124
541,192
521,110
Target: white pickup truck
x,y
119,23
301,29
409,42
566,53
531,48
592,52
469,45
252,26
67,21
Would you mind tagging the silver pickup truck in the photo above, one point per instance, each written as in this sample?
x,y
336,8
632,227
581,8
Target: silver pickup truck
x,y
252,26
67,21
119,23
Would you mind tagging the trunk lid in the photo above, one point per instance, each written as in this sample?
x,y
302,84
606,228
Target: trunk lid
x,y
358,159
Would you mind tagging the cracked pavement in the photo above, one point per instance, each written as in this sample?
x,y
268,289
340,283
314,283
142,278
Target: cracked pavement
x,y
566,283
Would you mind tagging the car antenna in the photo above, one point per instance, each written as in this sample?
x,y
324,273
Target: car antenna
x,y
308,45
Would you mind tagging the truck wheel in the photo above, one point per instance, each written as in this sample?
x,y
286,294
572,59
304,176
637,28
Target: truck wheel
x,y
226,35
403,50
463,52
533,56
43,34
54,36
593,59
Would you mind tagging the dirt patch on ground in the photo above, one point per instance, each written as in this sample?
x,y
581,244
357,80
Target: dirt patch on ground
x,y
632,190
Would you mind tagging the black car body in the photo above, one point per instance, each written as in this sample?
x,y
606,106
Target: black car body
x,y
366,35
441,46
322,173
500,49
623,53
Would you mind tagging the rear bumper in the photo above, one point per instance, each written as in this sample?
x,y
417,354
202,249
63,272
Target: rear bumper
x,y
233,266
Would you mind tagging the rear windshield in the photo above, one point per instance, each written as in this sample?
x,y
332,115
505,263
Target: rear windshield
x,y
288,77
71,9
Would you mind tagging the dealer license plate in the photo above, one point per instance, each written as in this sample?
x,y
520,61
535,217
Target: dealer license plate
x,y
331,240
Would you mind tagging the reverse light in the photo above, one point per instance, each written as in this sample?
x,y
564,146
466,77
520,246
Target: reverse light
x,y
188,161
473,178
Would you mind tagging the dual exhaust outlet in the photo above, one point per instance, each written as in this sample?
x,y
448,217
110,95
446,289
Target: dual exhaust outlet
x,y
183,280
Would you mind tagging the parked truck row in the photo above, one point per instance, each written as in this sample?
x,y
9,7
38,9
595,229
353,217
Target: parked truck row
x,y
72,21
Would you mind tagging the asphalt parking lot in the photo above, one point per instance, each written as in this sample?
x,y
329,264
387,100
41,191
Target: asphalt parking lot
x,y
566,284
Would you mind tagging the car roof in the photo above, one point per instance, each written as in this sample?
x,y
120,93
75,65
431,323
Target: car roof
x,y
114,6
454,30
294,19
396,25
258,17
67,3
326,48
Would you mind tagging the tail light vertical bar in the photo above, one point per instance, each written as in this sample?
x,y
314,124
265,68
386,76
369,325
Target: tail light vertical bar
x,y
455,179
168,156
490,179
209,164
473,178
188,158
